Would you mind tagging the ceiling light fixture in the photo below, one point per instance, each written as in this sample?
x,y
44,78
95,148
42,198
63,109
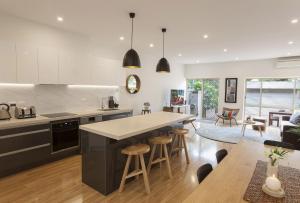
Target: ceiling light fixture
x,y
179,55
205,36
122,38
294,21
163,64
225,50
290,42
151,45
60,19
131,58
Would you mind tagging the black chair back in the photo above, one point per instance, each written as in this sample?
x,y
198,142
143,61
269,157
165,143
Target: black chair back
x,y
220,155
203,171
280,144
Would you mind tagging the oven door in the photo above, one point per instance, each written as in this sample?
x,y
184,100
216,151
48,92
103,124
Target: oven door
x,y
65,135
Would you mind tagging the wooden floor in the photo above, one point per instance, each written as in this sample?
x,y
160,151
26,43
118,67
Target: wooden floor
x,y
61,181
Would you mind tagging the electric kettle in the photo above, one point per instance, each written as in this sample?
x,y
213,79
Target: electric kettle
x,y
4,112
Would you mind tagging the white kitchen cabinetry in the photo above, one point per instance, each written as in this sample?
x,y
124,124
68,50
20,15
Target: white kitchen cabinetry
x,y
74,68
8,66
27,67
48,66
107,72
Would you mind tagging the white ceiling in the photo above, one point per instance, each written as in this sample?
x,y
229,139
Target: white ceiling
x,y
249,29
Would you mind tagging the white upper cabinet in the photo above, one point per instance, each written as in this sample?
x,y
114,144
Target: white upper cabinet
x,y
74,68
107,72
48,66
27,68
8,66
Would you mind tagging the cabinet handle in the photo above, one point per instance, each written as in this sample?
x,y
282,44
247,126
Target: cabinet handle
x,y
24,150
25,133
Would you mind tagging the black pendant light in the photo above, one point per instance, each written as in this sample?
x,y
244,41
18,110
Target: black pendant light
x,y
163,64
131,58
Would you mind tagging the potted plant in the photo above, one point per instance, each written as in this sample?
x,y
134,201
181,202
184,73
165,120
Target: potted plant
x,y
274,155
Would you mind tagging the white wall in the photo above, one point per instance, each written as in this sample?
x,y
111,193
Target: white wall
x,y
155,86
241,70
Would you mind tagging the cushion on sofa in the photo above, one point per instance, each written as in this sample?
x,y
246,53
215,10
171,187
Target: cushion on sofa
x,y
286,123
295,118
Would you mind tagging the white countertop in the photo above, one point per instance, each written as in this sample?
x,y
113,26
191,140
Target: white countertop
x,y
127,127
13,122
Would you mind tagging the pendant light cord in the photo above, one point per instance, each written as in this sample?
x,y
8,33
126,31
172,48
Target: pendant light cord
x,y
131,32
163,45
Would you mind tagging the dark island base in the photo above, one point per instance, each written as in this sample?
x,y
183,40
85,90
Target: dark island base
x,y
102,161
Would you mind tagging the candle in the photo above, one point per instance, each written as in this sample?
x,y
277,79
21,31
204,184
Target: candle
x,y
273,183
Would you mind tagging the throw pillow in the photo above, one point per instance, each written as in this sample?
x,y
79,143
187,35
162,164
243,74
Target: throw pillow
x,y
295,118
227,113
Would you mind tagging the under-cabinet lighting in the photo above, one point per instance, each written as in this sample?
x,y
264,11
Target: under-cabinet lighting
x,y
16,85
93,86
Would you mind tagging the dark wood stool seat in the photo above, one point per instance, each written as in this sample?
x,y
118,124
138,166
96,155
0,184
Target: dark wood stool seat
x,y
162,141
138,151
180,134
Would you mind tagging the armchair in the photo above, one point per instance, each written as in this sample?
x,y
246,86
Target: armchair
x,y
228,114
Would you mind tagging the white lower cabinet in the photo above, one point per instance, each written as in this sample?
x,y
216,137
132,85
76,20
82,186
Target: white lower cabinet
x,y
8,63
48,66
27,67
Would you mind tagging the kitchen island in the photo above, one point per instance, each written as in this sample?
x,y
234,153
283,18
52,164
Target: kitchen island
x,y
102,161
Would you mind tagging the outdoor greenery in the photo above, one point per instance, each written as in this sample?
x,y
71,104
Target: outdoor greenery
x,y
210,92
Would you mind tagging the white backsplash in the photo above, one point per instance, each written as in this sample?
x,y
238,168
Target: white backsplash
x,y
56,98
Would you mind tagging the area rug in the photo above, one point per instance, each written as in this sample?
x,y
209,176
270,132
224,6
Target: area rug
x,y
233,134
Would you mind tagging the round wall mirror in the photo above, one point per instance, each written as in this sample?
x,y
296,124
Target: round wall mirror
x,y
133,84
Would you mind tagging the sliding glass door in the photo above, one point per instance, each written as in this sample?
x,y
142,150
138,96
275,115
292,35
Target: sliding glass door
x,y
267,95
203,97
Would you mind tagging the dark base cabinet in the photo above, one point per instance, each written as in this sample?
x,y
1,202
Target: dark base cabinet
x,y
102,161
23,148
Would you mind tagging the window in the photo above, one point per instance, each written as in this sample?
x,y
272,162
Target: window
x,y
266,95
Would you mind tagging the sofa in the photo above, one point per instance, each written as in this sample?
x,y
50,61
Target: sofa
x,y
288,136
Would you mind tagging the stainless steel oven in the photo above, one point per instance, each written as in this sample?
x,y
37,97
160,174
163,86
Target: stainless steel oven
x,y
65,135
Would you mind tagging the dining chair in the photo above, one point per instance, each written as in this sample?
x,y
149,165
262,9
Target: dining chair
x,y
280,144
221,154
203,171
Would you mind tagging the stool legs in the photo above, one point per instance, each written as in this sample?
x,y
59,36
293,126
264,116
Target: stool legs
x,y
181,141
185,150
163,149
125,173
138,159
137,166
145,175
168,161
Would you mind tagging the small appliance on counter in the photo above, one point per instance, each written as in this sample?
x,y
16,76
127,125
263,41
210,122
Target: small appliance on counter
x,y
111,103
25,112
4,112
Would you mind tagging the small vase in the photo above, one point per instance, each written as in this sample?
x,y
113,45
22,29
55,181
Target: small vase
x,y
272,170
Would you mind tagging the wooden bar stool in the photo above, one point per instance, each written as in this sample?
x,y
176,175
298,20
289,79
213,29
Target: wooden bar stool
x,y
180,137
138,151
162,141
